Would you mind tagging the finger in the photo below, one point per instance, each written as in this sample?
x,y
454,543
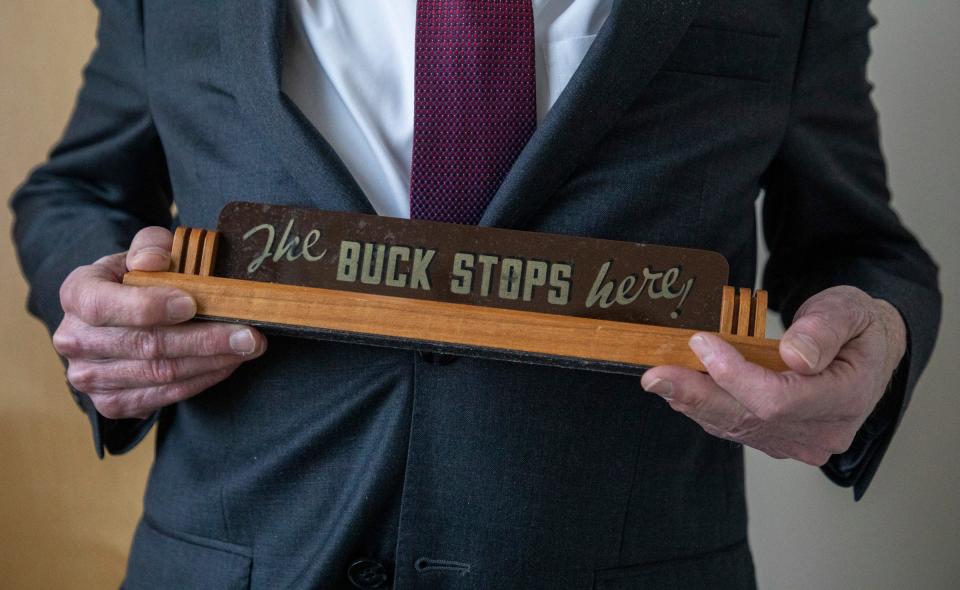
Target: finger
x,y
90,376
763,392
94,294
150,250
699,397
822,326
140,403
780,397
75,339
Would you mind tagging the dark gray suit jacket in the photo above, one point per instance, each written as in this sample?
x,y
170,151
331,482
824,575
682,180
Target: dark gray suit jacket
x,y
463,473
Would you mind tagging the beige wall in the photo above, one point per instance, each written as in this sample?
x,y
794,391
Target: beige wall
x,y
66,518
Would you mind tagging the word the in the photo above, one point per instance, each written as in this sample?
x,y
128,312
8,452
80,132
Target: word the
x,y
287,248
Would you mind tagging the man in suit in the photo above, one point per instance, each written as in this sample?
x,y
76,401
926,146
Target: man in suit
x,y
322,465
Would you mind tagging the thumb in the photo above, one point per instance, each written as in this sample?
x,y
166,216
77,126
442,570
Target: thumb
x,y
822,326
150,250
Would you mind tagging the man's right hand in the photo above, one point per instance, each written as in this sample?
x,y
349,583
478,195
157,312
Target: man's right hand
x,y
132,349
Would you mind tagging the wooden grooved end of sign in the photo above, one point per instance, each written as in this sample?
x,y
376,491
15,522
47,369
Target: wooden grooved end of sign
x,y
453,323
743,312
209,255
726,310
179,245
194,244
760,314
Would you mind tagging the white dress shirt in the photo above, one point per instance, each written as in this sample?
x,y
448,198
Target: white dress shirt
x,y
348,65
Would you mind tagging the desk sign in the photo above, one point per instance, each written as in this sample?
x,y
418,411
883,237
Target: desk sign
x,y
547,273
460,289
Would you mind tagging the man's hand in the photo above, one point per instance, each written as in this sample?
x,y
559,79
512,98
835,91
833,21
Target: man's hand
x,y
842,350
131,349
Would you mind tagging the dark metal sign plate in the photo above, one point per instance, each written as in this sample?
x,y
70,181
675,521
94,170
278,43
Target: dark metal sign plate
x,y
586,277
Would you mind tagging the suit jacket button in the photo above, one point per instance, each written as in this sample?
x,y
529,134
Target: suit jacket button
x,y
367,574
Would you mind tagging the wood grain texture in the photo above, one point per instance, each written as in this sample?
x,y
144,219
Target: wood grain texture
x,y
179,248
760,314
432,321
743,312
208,257
194,244
726,310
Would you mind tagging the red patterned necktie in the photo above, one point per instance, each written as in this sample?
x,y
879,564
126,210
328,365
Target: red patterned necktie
x,y
475,103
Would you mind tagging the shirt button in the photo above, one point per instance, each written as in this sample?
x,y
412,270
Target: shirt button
x,y
367,574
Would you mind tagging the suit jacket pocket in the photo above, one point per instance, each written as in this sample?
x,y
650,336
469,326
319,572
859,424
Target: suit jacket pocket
x,y
165,559
726,53
730,568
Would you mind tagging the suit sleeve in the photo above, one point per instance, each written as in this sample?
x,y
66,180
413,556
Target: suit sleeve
x,y
103,181
828,220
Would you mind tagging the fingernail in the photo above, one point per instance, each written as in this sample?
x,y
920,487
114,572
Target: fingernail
x,y
181,308
661,387
242,342
701,347
805,348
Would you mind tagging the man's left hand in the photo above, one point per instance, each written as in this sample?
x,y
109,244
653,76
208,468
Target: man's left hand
x,y
842,350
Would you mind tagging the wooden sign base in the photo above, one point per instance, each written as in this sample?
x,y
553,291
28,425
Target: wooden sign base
x,y
468,330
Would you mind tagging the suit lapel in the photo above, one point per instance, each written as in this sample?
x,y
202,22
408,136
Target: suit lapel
x,y
251,33
631,46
